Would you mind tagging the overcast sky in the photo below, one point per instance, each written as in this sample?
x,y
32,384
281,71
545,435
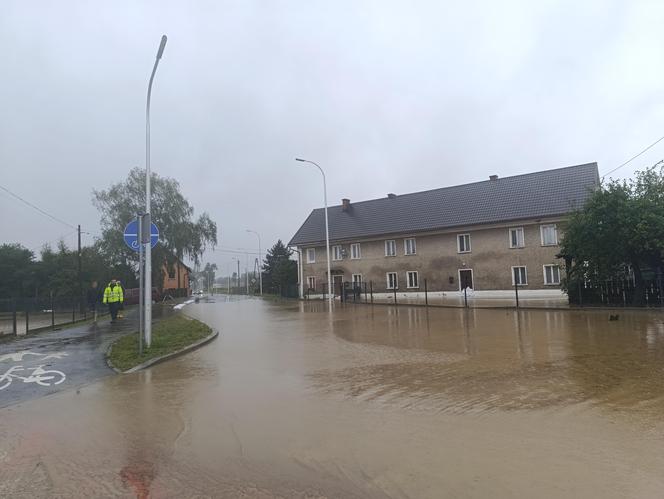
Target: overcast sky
x,y
386,96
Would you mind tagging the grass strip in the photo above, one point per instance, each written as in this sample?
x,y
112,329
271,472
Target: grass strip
x,y
168,335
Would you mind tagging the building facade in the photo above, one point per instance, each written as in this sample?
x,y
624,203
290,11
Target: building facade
x,y
176,279
485,236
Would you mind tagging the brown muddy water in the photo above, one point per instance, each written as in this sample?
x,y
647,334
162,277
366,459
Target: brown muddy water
x,y
291,401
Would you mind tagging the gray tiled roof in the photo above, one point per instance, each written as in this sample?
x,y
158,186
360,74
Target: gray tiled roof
x,y
533,195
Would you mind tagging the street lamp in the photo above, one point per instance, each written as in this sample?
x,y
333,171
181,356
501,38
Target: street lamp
x,y
148,246
327,231
260,261
238,273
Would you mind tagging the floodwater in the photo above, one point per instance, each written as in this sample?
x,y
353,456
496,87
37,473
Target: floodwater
x,y
379,401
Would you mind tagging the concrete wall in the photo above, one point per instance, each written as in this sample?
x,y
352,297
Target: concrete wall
x,y
437,259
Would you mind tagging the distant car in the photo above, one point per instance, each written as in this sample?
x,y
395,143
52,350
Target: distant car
x,y
199,292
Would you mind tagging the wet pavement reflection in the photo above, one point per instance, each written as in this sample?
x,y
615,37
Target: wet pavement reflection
x,y
292,401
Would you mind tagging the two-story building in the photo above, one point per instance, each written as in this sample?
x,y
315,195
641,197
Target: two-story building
x,y
489,235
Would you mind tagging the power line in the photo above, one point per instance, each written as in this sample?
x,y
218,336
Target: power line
x,y
53,240
36,207
634,157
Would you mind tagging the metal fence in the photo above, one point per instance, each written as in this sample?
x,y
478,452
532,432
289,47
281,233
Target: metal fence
x,y
25,315
612,294
617,293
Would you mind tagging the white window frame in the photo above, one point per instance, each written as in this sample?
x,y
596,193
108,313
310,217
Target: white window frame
x,y
555,233
544,273
335,248
311,279
353,279
310,252
472,278
405,246
523,237
359,251
393,244
396,280
467,250
417,279
525,273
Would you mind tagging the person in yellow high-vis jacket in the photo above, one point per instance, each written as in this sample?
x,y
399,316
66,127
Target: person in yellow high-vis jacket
x,y
113,297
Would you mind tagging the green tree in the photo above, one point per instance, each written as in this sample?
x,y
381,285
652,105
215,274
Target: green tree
x,y
17,268
279,271
621,226
180,235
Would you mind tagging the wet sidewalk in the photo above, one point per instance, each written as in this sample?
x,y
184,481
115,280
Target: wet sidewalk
x,y
43,363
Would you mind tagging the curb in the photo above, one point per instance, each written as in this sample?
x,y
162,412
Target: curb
x,y
163,358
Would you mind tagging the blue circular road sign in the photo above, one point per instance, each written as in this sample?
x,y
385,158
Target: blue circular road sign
x,y
131,236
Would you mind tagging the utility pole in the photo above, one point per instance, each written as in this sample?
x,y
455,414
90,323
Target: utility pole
x,y
80,272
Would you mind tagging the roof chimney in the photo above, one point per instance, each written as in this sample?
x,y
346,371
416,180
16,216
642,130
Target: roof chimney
x,y
493,177
345,204
391,196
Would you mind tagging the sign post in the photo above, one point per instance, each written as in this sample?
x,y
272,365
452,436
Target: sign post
x,y
137,234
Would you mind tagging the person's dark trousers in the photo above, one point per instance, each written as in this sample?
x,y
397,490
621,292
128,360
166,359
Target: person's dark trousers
x,y
113,309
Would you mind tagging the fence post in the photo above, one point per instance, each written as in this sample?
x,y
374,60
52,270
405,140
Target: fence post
x,y
365,292
27,318
52,312
371,290
14,316
659,285
324,288
580,295
73,313
516,292
395,294
426,296
465,296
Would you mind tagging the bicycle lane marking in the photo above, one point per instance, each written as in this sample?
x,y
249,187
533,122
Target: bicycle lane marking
x,y
34,374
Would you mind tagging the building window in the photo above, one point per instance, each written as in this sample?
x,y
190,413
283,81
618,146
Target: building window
x,y
413,279
519,276
549,234
409,246
311,255
355,253
463,243
171,273
392,280
516,238
390,248
311,282
357,279
337,253
551,274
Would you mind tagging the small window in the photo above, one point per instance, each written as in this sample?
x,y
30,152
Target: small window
x,y
392,280
413,279
516,238
337,253
311,282
463,243
390,247
551,274
171,273
409,246
357,279
311,255
355,253
519,276
549,234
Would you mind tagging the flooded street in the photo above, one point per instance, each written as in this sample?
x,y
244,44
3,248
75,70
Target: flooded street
x,y
379,401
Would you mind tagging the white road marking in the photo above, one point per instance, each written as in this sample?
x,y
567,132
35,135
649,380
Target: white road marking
x,y
18,356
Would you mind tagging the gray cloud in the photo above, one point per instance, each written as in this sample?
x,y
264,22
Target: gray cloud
x,y
387,96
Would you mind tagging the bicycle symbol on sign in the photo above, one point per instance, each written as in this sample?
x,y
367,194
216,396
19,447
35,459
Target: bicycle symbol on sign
x,y
43,377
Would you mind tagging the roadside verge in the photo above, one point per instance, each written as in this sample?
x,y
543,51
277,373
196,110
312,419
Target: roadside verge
x,y
170,337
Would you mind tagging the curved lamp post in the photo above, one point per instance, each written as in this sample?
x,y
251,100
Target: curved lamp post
x,y
330,296
148,248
